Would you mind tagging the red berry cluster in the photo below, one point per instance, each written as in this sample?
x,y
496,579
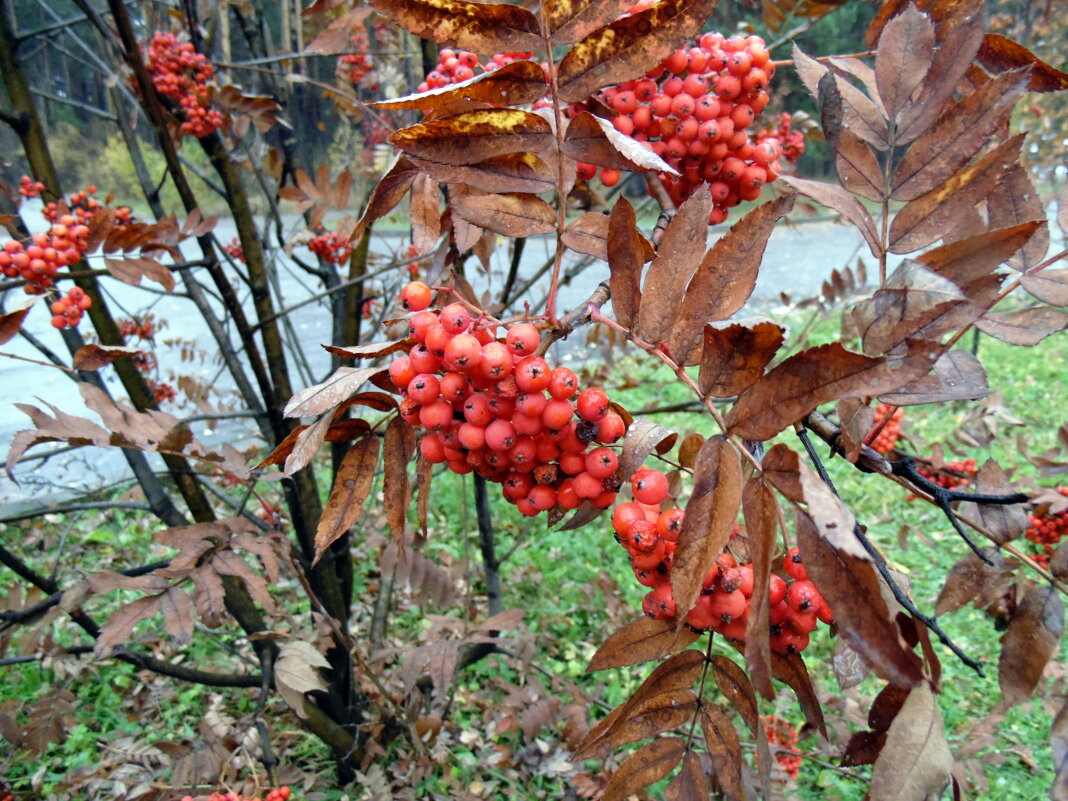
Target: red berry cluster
x,y
455,66
278,794
180,73
1048,529
650,537
234,250
782,737
67,311
496,408
694,111
84,205
329,247
888,432
29,187
162,391
37,263
358,65
958,473
792,142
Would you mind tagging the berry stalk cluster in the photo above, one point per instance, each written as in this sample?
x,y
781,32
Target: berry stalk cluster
x,y
1047,528
650,537
492,406
695,111
889,429
329,247
181,74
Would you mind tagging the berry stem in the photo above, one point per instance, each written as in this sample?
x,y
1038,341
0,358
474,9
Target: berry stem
x,y
561,173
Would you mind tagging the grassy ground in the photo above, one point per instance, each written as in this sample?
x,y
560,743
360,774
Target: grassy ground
x,y
575,588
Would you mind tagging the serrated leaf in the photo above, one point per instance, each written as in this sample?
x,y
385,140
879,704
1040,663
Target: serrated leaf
x,y
513,84
681,250
93,356
512,172
398,448
915,763
724,751
319,398
966,579
725,278
734,355
816,376
646,766
711,513
514,215
594,140
761,525
480,27
625,258
296,673
351,487
902,59
640,641
11,322
629,47
475,136
1023,327
836,198
999,53
642,438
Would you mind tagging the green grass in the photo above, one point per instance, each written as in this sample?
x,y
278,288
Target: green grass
x,y
576,588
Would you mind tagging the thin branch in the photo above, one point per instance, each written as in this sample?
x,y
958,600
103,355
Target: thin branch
x,y
880,564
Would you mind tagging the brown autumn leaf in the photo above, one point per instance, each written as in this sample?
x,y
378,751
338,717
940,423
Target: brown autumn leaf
x,y
121,623
929,217
738,690
93,356
1059,743
724,279
337,36
642,438
689,448
306,445
648,765
761,525
640,641
481,27
629,47
911,298
677,672
902,59
724,751
369,350
858,168
11,322
1013,201
680,252
967,260
853,589
834,521
1006,522
915,762
957,375
791,670
388,191
653,715
571,20
351,487
342,383
735,353
132,269
589,234
959,34
514,84
475,136
820,375
594,140
855,419
998,54
424,211
782,468
859,113
835,197
625,258
960,133
296,673
512,172
398,448
515,214
690,784
966,579
711,513
1049,286
1023,327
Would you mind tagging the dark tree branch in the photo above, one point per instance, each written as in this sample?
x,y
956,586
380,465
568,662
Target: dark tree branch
x,y
880,564
905,468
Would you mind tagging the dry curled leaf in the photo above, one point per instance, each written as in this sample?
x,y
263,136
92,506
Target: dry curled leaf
x,y
915,762
475,136
514,215
481,27
640,641
351,487
734,355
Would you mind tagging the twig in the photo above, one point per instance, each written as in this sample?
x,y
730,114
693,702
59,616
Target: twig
x,y
880,564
